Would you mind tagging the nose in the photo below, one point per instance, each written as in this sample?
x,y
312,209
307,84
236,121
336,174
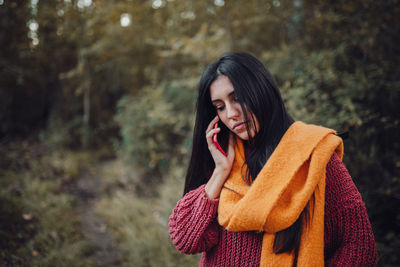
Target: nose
x,y
233,111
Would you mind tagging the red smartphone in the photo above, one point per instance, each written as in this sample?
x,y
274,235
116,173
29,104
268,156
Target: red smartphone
x,y
215,141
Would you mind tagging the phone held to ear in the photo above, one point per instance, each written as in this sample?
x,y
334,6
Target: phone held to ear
x,y
215,141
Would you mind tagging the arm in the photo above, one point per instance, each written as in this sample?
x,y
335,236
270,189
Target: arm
x,y
348,230
192,224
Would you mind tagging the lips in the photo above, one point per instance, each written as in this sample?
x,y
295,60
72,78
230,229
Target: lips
x,y
239,126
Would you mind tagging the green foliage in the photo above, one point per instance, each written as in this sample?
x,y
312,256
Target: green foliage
x,y
311,87
156,126
32,207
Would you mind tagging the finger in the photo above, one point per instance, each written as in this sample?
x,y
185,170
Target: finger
x,y
210,134
212,123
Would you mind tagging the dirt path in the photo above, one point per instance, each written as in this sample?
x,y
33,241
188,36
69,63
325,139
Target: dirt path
x,y
87,189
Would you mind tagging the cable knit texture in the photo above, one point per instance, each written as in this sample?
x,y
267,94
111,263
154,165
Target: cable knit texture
x,y
348,238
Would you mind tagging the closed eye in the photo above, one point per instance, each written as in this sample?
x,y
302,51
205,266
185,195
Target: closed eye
x,y
220,108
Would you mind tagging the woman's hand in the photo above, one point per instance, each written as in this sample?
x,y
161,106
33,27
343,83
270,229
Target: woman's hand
x,y
223,165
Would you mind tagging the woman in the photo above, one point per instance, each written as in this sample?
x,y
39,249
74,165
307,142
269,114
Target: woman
x,y
281,195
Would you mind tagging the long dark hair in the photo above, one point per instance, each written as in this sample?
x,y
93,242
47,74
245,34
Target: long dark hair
x,y
258,93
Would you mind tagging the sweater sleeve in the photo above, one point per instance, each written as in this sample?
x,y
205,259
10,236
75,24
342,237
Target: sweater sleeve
x,y
192,225
347,227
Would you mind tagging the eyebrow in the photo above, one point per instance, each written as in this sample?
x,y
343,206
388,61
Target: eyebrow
x,y
230,94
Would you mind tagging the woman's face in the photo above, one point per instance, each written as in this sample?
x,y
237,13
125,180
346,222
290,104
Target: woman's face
x,y
228,108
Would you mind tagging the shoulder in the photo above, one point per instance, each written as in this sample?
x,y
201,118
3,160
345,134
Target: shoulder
x,y
340,187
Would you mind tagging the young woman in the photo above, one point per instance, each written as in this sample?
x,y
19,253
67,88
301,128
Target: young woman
x,y
277,192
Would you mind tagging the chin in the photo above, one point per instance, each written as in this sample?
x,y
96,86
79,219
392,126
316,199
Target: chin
x,y
244,136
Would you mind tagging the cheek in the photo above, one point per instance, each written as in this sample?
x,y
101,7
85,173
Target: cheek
x,y
222,117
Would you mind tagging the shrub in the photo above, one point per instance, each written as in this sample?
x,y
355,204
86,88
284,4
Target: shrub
x,y
156,128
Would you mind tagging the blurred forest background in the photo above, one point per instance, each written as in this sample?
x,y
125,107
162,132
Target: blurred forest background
x,y
97,108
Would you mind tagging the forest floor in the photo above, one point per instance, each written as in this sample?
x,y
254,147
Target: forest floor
x,y
87,189
82,208
47,199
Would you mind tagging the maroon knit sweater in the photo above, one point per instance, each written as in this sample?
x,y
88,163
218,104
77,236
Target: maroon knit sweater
x,y
348,237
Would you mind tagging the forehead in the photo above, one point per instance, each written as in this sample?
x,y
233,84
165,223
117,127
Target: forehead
x,y
221,88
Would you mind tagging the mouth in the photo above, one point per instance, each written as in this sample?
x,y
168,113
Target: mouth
x,y
239,126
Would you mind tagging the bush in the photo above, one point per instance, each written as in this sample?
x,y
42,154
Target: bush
x,y
156,128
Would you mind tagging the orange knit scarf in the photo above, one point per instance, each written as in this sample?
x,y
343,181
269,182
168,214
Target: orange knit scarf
x,y
294,172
